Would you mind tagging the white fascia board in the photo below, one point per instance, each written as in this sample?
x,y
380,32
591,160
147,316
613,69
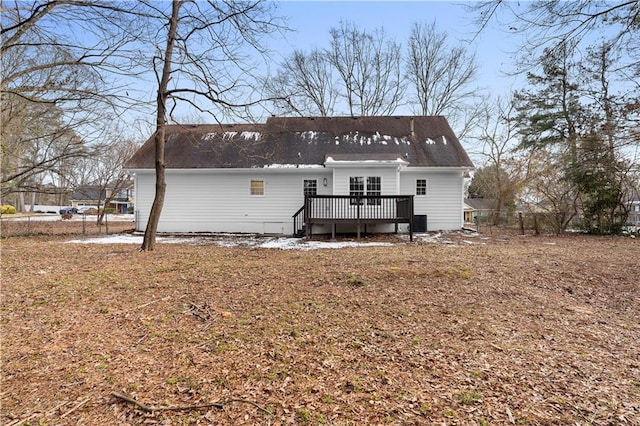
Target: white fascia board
x,y
437,169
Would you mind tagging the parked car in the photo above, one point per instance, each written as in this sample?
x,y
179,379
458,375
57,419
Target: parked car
x,y
87,210
68,210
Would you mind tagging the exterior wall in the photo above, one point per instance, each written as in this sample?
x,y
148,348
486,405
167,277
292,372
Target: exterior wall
x,y
388,178
219,201
389,186
444,202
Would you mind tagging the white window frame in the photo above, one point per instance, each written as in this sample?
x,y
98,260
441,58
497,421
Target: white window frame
x,y
370,191
426,187
314,187
360,180
365,181
251,187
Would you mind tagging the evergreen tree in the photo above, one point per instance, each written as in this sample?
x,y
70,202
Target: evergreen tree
x,y
583,127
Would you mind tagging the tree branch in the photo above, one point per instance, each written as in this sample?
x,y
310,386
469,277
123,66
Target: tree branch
x,y
220,405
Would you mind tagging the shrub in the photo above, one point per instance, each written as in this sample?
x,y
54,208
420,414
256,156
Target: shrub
x,y
7,209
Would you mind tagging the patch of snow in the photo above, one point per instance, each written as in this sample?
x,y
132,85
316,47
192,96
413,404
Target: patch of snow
x,y
251,135
444,140
229,135
208,136
429,141
281,243
130,239
309,135
293,166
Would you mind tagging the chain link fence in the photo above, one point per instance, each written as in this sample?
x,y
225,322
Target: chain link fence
x,y
77,225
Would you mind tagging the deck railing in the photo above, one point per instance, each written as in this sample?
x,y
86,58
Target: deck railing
x,y
355,209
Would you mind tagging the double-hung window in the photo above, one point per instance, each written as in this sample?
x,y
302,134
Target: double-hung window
x,y
256,187
310,187
421,187
357,188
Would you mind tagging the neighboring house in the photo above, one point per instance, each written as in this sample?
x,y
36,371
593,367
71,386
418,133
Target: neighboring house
x,y
478,209
95,195
321,175
634,212
87,195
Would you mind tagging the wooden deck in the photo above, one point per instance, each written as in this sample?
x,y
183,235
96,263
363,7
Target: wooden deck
x,y
358,210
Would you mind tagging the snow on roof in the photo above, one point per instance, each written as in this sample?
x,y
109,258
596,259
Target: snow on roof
x,y
278,141
356,138
345,159
293,166
230,135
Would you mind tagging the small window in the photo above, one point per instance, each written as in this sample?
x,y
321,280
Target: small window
x,y
256,187
310,187
421,187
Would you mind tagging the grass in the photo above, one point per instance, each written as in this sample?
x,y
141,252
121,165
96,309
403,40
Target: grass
x,y
377,335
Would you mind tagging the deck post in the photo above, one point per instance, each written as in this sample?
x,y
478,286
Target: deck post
x,y
358,217
307,216
333,231
411,219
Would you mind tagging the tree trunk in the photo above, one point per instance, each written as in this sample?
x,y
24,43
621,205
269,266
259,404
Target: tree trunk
x,y
149,241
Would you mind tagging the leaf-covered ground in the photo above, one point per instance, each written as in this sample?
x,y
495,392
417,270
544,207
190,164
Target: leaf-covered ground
x,y
498,330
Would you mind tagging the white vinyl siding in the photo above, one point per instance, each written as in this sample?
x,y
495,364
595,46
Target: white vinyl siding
x,y
220,201
443,203
388,179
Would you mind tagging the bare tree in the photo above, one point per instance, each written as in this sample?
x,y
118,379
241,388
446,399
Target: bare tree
x,y
306,84
503,174
57,90
203,64
107,173
360,68
368,65
442,76
35,143
549,23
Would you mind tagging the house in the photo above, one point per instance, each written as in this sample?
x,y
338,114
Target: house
x,y
317,174
634,212
121,198
478,209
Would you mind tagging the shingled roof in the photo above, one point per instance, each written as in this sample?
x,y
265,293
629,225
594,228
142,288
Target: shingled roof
x,y
422,141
